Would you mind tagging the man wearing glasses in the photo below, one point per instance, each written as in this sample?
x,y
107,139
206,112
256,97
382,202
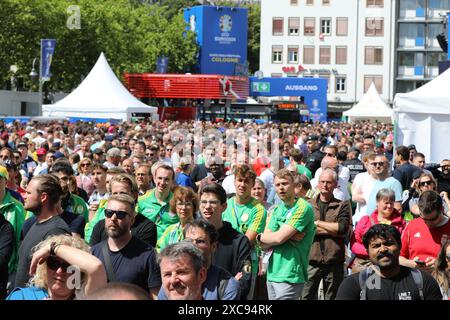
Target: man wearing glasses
x,y
421,240
126,258
380,172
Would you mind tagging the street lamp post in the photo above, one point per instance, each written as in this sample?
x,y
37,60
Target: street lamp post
x,y
34,75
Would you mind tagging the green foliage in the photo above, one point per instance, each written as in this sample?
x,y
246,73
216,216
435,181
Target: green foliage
x,y
132,35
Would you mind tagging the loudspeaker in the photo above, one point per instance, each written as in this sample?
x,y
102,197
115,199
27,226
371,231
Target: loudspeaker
x,y
443,42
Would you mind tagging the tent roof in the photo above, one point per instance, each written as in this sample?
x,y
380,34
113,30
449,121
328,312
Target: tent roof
x,y
433,97
100,92
370,106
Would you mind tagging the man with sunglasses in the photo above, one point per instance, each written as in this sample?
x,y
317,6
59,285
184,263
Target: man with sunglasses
x,y
421,240
126,258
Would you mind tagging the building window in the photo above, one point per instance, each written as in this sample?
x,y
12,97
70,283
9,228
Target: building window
x,y
292,54
341,84
277,26
293,26
373,55
325,55
325,26
277,54
309,2
374,27
377,80
375,4
310,26
341,55
294,2
308,55
325,2
341,26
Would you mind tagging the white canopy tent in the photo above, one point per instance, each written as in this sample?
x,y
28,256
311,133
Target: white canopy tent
x,y
371,107
100,95
422,118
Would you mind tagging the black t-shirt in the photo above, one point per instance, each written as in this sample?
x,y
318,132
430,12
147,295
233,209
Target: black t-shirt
x,y
400,287
75,222
135,263
314,160
38,232
405,174
355,166
6,249
143,229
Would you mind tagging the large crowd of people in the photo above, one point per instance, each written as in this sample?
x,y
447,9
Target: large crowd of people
x,y
220,211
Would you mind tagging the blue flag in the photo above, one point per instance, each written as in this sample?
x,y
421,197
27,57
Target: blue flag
x,y
47,51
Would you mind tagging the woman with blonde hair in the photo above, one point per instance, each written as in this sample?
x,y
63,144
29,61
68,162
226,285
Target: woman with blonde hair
x,y
62,269
441,270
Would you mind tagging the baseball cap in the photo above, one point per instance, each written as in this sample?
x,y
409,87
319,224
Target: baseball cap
x,y
22,144
312,138
114,152
98,151
4,172
58,155
411,146
41,152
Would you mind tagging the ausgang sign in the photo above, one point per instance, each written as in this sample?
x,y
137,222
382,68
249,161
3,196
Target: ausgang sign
x,y
314,91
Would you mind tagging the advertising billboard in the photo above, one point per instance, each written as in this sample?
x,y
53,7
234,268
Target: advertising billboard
x,y
314,91
222,38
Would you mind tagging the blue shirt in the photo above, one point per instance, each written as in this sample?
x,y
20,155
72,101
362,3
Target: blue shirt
x,y
211,285
389,183
185,180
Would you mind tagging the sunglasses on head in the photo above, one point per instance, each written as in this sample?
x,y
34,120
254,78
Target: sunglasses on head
x,y
119,214
425,183
54,264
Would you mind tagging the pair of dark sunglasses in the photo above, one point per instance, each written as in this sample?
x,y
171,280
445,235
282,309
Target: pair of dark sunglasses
x,y
54,263
119,214
426,183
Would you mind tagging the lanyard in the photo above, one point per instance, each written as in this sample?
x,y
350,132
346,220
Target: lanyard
x,y
175,235
235,212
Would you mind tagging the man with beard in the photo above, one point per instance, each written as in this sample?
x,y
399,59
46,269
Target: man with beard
x,y
43,196
386,279
126,258
143,229
183,271
154,205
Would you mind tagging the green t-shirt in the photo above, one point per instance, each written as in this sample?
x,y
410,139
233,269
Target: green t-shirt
x,y
304,170
99,215
173,234
289,261
156,211
14,213
78,206
250,216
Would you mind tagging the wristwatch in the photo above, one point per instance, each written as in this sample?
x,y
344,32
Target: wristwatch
x,y
53,247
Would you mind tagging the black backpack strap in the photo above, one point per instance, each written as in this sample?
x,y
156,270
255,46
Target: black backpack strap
x,y
363,275
108,264
418,280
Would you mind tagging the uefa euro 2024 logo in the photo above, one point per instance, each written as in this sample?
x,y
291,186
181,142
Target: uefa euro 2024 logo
x,y
225,23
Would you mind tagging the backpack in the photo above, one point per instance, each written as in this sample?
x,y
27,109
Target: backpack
x,y
366,272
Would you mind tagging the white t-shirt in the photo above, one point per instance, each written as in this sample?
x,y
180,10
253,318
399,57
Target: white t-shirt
x,y
228,184
364,181
267,176
341,192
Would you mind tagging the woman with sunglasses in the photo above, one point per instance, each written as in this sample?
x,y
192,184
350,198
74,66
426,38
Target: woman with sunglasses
x,y
426,182
184,204
84,176
63,269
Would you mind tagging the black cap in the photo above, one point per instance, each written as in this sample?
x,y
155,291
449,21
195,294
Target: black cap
x,y
411,147
98,151
312,138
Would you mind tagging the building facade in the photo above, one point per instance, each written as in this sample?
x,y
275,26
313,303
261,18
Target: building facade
x,y
353,43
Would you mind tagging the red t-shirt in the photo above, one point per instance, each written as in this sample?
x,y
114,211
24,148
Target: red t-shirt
x,y
420,241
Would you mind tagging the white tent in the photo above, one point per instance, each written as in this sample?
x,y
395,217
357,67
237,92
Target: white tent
x,y
371,107
100,95
422,118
